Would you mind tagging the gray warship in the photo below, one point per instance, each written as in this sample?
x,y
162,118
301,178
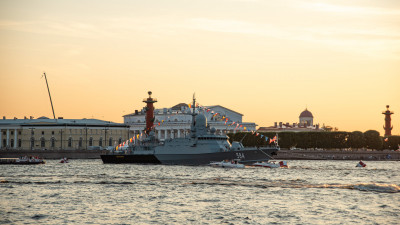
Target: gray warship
x,y
201,147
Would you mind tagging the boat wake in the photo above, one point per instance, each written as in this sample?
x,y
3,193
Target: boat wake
x,y
387,188
219,181
368,187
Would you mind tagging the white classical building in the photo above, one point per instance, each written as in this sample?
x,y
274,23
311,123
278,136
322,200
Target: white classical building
x,y
61,134
175,121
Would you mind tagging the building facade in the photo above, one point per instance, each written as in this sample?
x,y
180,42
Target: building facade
x,y
66,134
175,121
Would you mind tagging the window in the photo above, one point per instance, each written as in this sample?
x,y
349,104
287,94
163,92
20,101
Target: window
x,y
42,132
12,143
42,142
120,141
52,132
101,141
19,132
53,142
90,141
4,142
12,132
19,143
110,142
70,142
80,142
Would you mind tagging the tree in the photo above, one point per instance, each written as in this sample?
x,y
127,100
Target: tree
x,y
356,140
372,139
392,142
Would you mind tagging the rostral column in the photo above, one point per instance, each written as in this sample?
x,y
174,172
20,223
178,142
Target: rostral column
x,y
388,125
149,112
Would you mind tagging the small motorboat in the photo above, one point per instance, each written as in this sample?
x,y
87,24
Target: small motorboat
x,y
361,164
24,160
272,164
227,164
64,160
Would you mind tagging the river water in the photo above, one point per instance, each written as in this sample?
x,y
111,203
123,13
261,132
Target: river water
x,y
309,192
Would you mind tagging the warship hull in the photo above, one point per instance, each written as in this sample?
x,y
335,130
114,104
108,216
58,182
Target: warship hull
x,y
245,156
130,158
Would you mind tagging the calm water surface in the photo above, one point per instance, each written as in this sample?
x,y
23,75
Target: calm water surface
x,y
309,192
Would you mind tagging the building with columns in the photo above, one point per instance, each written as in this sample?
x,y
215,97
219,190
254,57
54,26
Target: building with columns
x,y
67,134
175,121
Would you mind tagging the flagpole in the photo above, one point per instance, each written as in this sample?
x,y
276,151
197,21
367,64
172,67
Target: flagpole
x,y
277,139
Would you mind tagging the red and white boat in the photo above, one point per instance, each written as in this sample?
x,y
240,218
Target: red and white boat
x,y
271,164
361,164
64,160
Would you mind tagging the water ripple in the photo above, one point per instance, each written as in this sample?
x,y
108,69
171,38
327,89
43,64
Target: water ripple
x,y
89,192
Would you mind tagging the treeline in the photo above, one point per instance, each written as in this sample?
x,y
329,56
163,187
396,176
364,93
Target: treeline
x,y
325,140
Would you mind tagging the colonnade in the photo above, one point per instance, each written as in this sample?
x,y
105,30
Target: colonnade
x,y
8,143
163,134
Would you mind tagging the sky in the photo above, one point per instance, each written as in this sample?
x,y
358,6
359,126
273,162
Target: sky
x,y
268,60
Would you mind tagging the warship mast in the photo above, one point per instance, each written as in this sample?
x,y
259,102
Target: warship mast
x,y
193,125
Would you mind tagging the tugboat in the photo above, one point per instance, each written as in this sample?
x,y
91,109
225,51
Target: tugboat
x,y
200,148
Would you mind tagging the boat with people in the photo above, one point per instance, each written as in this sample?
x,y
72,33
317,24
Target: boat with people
x,y
23,160
202,146
227,164
271,164
64,160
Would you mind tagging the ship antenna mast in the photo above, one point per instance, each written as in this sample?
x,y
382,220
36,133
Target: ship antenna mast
x,y
48,89
194,102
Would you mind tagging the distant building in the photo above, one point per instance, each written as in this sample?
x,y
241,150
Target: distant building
x,y
67,134
175,121
306,118
306,123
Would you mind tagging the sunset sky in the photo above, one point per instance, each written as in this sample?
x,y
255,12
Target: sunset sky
x,y
268,60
